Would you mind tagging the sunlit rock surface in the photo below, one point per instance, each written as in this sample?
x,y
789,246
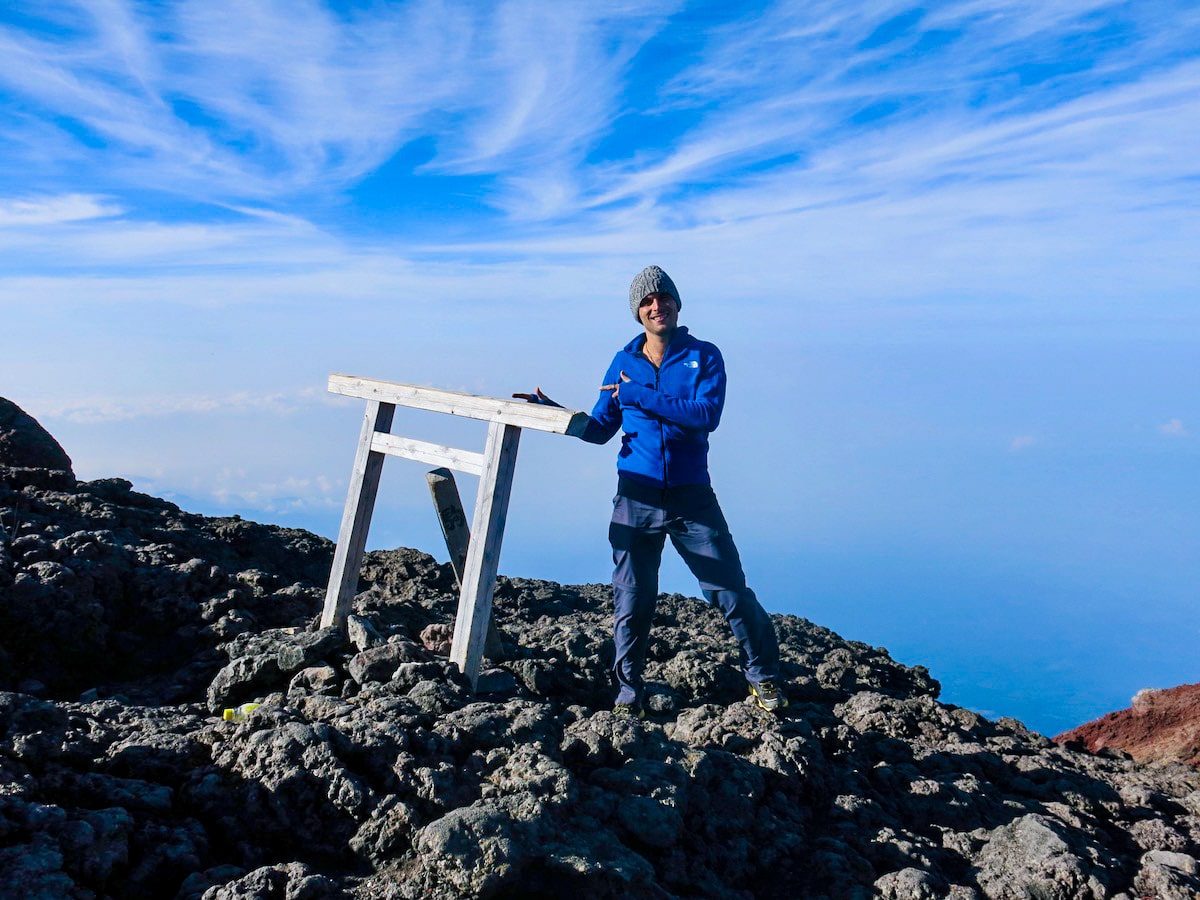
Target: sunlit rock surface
x,y
370,770
1159,726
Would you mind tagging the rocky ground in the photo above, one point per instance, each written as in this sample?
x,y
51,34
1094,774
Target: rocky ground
x,y
1160,726
127,625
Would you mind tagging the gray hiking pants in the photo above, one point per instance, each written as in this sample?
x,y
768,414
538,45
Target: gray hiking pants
x,y
642,520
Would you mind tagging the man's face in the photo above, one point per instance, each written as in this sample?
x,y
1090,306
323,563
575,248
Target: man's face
x,y
659,313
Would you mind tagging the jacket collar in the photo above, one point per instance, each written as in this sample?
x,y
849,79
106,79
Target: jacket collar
x,y
679,340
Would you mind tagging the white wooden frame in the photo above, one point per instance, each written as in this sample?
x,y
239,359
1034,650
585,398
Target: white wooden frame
x,y
494,466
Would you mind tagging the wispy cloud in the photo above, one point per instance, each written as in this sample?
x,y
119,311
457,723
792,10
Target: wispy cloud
x,y
55,210
238,489
1173,428
546,81
1017,151
104,410
223,99
1021,442
835,118
750,116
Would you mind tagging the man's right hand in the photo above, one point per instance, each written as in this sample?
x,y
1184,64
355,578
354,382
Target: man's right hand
x,y
615,388
537,397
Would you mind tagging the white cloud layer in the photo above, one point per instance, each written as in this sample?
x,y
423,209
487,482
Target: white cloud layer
x,y
108,410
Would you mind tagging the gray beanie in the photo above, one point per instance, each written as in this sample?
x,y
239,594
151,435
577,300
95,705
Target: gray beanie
x,y
651,280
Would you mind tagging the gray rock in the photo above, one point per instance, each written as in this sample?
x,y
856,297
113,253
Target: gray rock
x,y
291,784
362,634
911,884
388,831
315,679
1032,857
476,849
495,681
25,444
264,662
378,663
244,678
34,871
1168,876
372,771
438,697
308,648
292,881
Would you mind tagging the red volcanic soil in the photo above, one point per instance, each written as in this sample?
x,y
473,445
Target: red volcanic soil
x,y
1161,725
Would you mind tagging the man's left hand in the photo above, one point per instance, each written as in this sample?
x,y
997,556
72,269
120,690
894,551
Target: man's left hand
x,y
615,388
537,397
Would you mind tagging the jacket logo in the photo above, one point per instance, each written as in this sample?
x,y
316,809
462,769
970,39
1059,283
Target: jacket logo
x,y
691,364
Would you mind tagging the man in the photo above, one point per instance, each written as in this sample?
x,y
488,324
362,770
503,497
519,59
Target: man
x,y
665,389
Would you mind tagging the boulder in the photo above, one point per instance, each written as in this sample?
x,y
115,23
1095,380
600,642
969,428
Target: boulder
x,y
25,444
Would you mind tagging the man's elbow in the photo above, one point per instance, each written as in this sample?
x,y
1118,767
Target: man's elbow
x,y
707,420
596,433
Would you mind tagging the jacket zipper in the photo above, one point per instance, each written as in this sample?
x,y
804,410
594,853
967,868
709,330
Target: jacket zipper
x,y
662,428
662,431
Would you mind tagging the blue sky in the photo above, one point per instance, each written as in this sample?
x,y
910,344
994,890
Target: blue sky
x,y
948,251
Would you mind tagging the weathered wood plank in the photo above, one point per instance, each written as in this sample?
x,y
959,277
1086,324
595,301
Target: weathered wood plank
x,y
433,454
483,554
356,517
457,533
451,517
554,419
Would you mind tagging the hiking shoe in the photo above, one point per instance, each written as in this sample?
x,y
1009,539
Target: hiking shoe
x,y
628,711
768,696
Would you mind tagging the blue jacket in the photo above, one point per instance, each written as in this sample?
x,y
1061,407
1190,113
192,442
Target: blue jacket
x,y
666,413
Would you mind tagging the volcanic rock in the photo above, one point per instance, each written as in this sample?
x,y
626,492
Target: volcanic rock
x,y
1160,725
370,770
28,452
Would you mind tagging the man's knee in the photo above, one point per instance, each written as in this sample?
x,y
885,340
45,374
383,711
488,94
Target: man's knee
x,y
736,602
634,596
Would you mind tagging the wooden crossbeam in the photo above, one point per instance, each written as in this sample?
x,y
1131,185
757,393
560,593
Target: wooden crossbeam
x,y
554,419
434,454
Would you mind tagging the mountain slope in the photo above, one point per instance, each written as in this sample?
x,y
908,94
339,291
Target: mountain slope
x,y
371,771
1160,726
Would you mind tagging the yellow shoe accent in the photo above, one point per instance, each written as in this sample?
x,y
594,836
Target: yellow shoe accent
x,y
768,696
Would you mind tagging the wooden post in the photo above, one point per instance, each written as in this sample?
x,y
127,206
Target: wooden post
x,y
448,503
452,518
356,517
483,552
477,578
